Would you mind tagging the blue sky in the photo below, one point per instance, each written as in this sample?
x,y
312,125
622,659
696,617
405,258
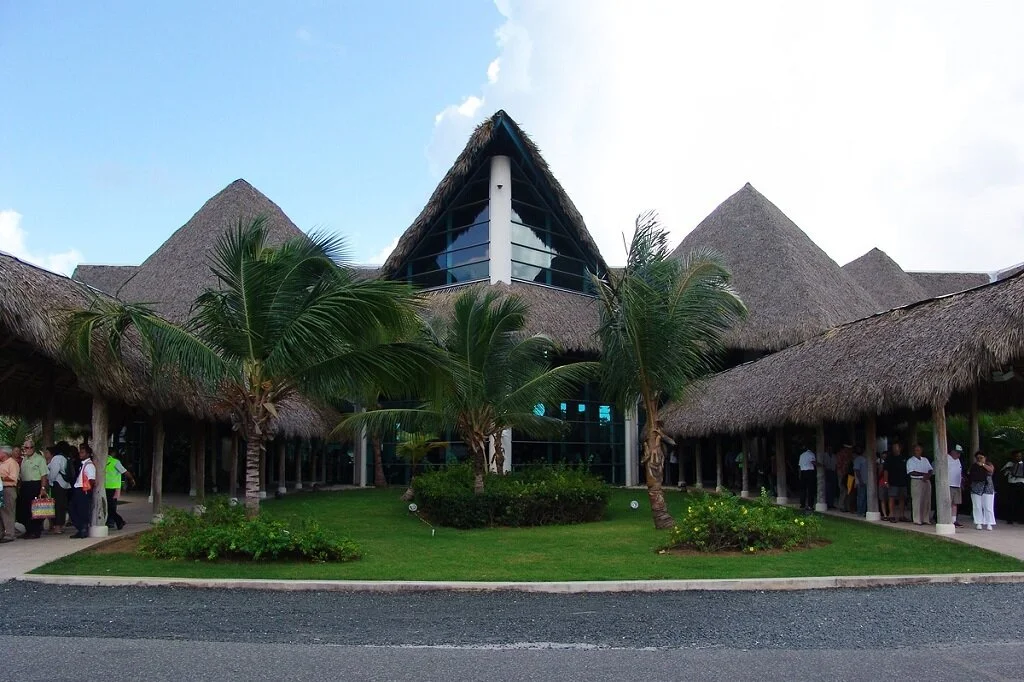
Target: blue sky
x,y
120,122
870,124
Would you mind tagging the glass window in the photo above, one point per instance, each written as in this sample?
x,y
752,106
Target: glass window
x,y
470,215
465,256
470,273
529,215
472,235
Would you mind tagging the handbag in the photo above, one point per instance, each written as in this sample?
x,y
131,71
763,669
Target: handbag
x,y
43,508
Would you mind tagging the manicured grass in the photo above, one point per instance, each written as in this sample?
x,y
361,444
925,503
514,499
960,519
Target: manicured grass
x,y
399,546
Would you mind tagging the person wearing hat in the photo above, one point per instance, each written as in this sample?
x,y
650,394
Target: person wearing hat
x,y
956,474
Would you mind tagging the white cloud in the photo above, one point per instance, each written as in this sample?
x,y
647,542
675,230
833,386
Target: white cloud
x,y
870,124
12,241
383,254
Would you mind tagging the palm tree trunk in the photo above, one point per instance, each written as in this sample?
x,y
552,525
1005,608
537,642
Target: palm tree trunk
x,y
654,470
253,447
499,454
379,480
478,451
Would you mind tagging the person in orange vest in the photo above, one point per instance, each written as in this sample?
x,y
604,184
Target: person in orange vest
x,y
82,492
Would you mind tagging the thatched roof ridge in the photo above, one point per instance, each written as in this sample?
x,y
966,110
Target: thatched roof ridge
x,y
571,319
885,280
791,287
942,283
34,304
176,273
908,358
105,278
477,150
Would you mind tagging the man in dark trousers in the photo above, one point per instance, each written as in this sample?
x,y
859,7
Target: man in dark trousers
x,y
82,492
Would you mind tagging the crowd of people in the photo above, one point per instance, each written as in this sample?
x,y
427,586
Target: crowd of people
x,y
65,476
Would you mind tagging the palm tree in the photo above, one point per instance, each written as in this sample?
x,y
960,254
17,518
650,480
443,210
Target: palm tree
x,y
414,448
493,376
284,324
662,322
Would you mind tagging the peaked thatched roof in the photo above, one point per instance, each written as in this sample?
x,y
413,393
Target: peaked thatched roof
x,y
105,278
569,318
885,280
908,358
176,273
490,137
34,304
792,289
942,283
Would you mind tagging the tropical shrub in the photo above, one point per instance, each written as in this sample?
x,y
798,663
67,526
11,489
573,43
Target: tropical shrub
x,y
224,532
723,523
538,497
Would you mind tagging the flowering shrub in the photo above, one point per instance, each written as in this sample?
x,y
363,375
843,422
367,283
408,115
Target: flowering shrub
x,y
723,523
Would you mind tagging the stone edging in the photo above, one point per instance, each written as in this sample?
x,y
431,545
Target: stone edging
x,y
573,587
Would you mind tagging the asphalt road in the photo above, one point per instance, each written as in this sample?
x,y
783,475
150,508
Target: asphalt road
x,y
53,633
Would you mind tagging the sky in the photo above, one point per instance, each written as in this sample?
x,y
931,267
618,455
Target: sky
x,y
870,124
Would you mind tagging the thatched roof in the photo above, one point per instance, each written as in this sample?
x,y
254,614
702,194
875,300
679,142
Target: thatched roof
x,y
885,280
33,313
497,135
904,359
942,283
176,273
792,289
105,278
569,318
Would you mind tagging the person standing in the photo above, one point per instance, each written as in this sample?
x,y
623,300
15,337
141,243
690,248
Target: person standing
x,y
33,484
883,485
82,492
983,492
112,482
58,471
808,479
1014,471
919,469
860,474
9,473
956,471
896,477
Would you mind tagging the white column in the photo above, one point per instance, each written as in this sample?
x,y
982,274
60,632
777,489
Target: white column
x,y
973,428
500,216
632,454
870,438
943,505
360,460
781,489
157,487
99,529
282,470
718,464
298,465
820,471
698,466
506,444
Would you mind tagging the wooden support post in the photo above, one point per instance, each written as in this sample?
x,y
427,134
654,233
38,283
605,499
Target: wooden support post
x,y
698,466
943,505
781,490
157,491
233,483
199,434
870,438
821,504
100,435
718,464
975,431
282,474
298,465
745,460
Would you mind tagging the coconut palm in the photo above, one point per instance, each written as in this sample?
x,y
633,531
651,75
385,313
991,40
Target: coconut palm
x,y
492,377
284,324
15,431
414,448
662,322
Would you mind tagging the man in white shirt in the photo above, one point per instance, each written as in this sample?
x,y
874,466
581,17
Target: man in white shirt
x,y
82,492
956,474
60,489
919,470
808,480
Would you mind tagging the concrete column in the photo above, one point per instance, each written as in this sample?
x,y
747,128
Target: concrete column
x,y
500,217
632,444
943,506
506,444
718,464
745,460
698,466
157,488
870,438
282,488
298,465
360,460
233,485
821,504
100,436
973,428
781,492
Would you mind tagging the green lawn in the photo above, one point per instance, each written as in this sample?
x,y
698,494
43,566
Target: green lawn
x,y
399,546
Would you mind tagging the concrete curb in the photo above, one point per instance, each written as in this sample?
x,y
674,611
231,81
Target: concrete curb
x,y
574,587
